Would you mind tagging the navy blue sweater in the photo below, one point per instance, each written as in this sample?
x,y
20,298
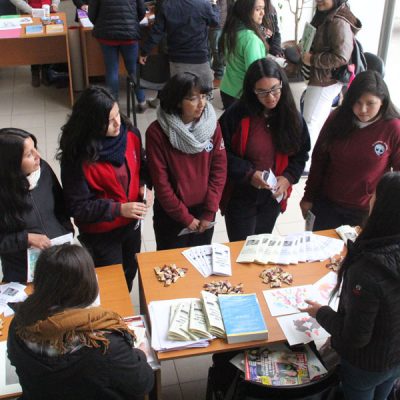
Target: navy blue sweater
x,y
186,24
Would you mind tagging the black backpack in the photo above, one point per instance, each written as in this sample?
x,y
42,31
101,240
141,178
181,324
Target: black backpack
x,y
356,64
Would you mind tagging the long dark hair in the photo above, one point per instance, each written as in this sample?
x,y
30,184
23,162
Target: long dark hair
x,y
343,123
384,219
239,17
64,278
86,124
286,124
14,185
177,88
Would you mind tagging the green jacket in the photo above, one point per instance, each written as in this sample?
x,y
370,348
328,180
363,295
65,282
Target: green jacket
x,y
249,48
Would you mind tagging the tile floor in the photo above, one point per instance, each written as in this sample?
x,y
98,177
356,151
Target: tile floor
x,y
43,111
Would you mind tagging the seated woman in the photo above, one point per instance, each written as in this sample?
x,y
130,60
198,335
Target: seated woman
x,y
103,172
242,42
64,349
31,203
262,131
187,163
365,330
357,145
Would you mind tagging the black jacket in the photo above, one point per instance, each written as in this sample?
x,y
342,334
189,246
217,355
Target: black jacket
x,y
47,216
120,373
116,19
186,24
366,329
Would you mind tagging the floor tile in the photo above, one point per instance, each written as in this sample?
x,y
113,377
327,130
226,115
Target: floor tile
x,y
172,392
195,390
168,373
193,368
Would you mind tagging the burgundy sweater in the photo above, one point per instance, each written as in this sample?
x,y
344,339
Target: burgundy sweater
x,y
348,172
184,180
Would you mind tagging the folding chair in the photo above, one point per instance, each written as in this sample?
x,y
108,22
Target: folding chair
x,y
153,75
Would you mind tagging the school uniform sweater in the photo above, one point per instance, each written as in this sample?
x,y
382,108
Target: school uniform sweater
x,y
184,180
347,173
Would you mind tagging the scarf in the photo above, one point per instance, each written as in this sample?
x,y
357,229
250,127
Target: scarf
x,y
33,179
189,140
112,148
63,330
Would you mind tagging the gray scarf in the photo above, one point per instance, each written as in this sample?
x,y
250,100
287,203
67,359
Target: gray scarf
x,y
193,140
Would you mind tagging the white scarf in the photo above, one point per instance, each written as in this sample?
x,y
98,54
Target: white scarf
x,y
33,179
193,140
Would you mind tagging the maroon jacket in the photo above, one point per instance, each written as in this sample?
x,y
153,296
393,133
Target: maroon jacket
x,y
185,180
348,172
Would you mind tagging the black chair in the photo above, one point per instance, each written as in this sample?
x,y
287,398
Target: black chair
x,y
375,63
153,75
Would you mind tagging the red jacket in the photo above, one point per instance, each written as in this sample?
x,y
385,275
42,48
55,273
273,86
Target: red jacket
x,y
38,3
184,180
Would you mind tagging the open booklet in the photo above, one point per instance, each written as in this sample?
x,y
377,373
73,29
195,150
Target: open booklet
x,y
307,38
213,259
290,249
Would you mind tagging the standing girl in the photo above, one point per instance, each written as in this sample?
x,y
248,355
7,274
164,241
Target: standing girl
x,y
262,131
187,163
103,174
31,203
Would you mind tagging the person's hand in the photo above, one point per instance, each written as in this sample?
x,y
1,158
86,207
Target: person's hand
x,y
85,8
194,225
312,308
281,187
54,8
133,209
258,182
39,241
307,58
142,60
204,224
305,206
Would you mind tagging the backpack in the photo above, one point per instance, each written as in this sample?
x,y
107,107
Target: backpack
x,y
357,63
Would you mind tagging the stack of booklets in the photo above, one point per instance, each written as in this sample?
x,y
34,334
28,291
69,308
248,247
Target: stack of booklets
x,y
278,365
12,292
214,259
347,232
285,302
291,249
189,322
84,19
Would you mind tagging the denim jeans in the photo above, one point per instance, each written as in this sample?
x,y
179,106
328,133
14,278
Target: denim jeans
x,y
217,59
129,54
359,384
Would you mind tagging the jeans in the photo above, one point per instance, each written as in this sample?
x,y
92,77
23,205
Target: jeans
x,y
129,54
250,211
217,58
317,106
359,384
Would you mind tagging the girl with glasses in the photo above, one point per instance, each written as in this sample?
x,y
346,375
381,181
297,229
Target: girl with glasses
x,y
103,171
263,131
187,163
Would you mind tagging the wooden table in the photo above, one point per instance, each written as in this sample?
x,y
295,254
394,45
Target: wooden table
x,y
191,285
37,49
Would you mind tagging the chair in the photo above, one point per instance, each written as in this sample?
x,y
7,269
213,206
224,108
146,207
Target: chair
x,y
153,75
375,63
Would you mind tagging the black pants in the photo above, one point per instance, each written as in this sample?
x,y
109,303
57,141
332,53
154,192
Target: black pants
x,y
118,246
166,230
329,215
227,100
250,211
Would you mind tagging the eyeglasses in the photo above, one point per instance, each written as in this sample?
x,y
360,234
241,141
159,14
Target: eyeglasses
x,y
264,93
200,97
